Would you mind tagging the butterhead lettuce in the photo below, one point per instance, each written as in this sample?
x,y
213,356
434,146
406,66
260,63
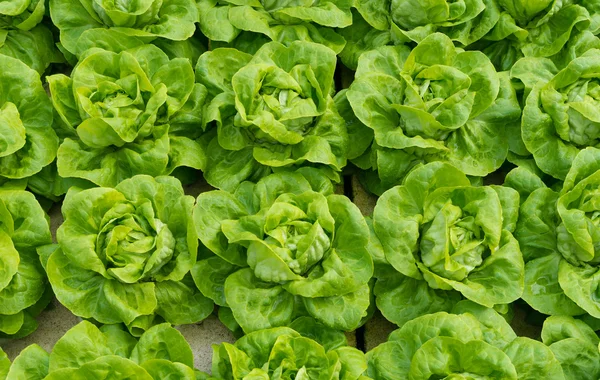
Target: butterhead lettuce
x,y
128,113
560,112
121,25
24,289
434,103
28,142
109,352
472,342
23,37
444,235
314,352
554,29
382,22
285,247
558,234
125,253
248,25
574,344
270,112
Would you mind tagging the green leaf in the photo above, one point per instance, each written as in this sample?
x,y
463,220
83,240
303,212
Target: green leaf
x,y
180,303
4,364
256,305
543,290
103,368
494,328
9,262
82,344
396,296
210,275
162,369
33,46
32,362
308,327
533,359
475,357
163,342
344,312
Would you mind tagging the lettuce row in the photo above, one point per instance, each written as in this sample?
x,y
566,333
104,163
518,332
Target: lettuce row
x,y
305,349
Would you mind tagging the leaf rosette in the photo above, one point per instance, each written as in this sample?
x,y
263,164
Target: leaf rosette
x,y
128,113
438,229
559,233
560,116
471,342
23,37
24,289
248,25
121,25
272,110
109,352
383,22
556,29
574,344
124,255
434,103
313,352
281,247
28,142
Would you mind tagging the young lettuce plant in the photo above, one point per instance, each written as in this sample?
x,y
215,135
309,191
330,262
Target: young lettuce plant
x,y
24,289
28,142
560,115
23,37
558,232
269,112
121,25
285,247
434,103
575,345
312,352
125,254
92,353
380,22
128,113
546,28
473,342
441,236
248,25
